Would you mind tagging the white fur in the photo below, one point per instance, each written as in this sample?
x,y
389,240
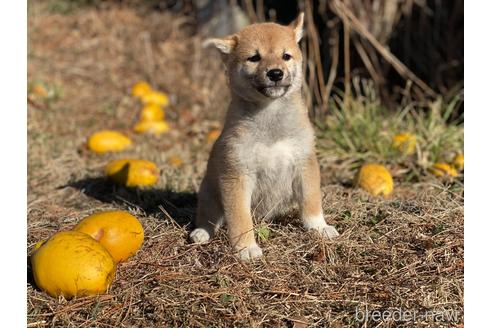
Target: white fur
x,y
199,236
249,253
272,152
277,156
319,224
316,222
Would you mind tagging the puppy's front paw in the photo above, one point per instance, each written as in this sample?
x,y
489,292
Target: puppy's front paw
x,y
318,223
329,232
199,236
250,253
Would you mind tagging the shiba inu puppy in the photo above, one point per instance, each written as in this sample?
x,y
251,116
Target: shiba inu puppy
x,y
264,161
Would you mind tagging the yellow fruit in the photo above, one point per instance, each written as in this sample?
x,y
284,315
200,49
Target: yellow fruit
x,y
132,172
108,141
212,136
375,179
156,98
442,169
405,143
152,127
38,245
459,162
119,232
141,88
40,91
72,263
175,161
152,112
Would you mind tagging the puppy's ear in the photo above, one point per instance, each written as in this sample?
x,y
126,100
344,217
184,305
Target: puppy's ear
x,y
297,26
225,45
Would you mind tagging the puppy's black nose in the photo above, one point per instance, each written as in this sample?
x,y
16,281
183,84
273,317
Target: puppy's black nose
x,y
275,74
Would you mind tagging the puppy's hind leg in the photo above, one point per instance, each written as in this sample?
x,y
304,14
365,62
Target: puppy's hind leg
x,y
209,218
310,200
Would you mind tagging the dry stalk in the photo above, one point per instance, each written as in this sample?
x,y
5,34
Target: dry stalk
x,y
346,60
341,10
334,44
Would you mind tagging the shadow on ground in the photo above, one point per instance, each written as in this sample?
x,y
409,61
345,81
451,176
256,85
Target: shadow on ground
x,y
179,206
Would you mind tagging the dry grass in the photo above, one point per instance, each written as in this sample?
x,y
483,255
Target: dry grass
x,y
402,253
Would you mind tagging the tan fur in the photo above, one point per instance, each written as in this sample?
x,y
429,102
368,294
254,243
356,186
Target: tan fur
x,y
264,163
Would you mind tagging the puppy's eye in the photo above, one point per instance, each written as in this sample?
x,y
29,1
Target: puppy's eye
x,y
255,58
286,57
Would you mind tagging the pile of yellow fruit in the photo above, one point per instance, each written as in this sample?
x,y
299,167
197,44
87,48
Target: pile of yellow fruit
x,y
83,261
134,172
152,115
152,121
377,180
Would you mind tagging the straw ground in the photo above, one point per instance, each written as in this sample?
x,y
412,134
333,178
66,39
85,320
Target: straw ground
x,y
404,253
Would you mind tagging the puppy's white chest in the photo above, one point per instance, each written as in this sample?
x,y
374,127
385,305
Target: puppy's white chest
x,y
276,156
273,168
